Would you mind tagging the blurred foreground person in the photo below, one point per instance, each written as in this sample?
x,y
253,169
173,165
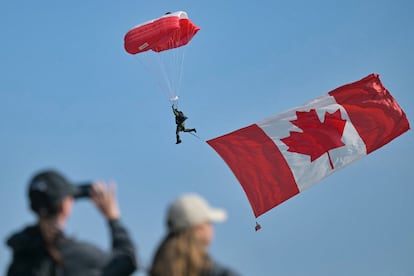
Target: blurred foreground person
x,y
43,249
184,250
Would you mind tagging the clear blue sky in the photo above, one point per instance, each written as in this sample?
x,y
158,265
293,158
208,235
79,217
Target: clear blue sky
x,y
71,98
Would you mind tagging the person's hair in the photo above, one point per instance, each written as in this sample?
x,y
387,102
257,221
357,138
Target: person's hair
x,y
49,230
180,253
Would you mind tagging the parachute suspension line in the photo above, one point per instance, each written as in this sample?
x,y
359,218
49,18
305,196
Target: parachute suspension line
x,y
171,64
181,69
170,89
174,60
173,71
153,69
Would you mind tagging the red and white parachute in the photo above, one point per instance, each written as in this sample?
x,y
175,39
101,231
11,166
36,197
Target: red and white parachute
x,y
163,38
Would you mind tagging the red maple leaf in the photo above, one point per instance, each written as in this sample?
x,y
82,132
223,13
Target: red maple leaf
x,y
317,137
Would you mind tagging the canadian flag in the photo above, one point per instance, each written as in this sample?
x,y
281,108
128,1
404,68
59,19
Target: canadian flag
x,y
283,155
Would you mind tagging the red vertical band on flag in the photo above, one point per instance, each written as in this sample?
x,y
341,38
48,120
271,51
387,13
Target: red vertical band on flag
x,y
258,165
374,113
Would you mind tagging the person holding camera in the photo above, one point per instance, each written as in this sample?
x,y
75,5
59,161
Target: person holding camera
x,y
44,249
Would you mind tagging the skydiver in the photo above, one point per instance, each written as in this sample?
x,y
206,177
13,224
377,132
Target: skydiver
x,y
179,120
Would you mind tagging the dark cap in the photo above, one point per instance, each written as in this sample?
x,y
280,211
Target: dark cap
x,y
48,188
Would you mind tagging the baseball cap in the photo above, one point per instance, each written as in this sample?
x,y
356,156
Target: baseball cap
x,y
191,209
47,188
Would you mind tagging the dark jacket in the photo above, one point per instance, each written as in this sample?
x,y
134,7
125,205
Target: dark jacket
x,y
179,116
79,258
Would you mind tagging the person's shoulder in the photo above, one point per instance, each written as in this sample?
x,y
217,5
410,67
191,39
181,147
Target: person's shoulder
x,y
23,237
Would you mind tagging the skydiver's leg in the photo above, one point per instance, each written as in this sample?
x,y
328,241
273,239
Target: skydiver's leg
x,y
190,130
177,134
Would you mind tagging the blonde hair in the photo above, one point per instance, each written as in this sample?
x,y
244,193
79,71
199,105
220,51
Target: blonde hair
x,y
181,253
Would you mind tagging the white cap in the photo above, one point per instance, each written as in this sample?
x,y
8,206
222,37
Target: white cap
x,y
191,209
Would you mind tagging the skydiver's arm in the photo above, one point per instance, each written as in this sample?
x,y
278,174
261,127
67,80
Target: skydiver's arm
x,y
175,111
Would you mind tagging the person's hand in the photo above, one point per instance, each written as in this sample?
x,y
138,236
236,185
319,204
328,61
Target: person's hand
x,y
104,198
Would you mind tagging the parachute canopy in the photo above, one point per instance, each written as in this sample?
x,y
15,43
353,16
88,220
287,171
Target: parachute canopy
x,y
170,31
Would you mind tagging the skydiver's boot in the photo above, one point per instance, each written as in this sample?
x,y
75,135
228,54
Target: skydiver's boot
x,y
178,140
193,130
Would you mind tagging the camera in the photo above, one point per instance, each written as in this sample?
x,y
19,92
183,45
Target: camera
x,y
83,191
